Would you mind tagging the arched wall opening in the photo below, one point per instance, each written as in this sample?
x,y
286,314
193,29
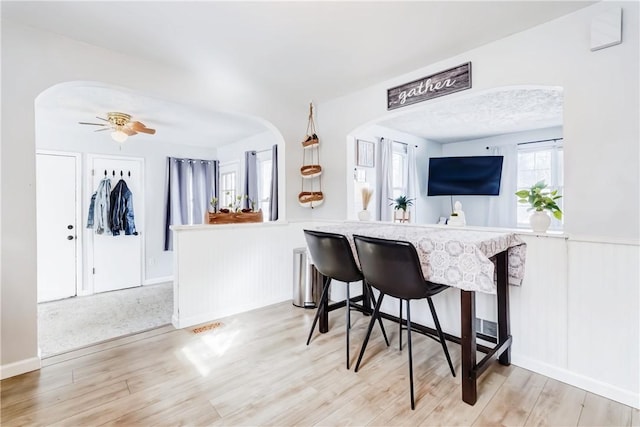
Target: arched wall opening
x,y
463,125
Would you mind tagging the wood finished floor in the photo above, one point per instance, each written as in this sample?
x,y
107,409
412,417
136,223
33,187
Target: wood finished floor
x,y
257,370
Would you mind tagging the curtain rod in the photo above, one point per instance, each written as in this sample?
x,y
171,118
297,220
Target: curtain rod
x,y
533,142
541,140
399,142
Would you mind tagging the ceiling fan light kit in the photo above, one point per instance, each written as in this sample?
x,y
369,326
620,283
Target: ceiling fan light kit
x,y
119,136
121,126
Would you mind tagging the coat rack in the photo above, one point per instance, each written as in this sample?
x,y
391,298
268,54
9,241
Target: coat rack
x,y
113,173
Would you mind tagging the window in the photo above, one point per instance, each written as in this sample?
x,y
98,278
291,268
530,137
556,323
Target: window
x,y
265,165
399,169
536,162
228,185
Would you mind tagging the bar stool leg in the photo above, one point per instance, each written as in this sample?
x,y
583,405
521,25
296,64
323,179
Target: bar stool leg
x,y
384,333
324,295
376,313
443,343
348,322
400,327
413,406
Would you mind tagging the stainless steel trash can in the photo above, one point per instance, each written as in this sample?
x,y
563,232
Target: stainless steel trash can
x,y
307,281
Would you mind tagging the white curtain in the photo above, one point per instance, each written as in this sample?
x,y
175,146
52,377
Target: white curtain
x,y
413,191
502,208
385,178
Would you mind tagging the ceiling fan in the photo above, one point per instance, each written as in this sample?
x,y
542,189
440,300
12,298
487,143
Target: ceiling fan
x,y
121,126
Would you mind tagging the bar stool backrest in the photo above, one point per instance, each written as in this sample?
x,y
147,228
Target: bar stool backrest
x,y
393,267
332,256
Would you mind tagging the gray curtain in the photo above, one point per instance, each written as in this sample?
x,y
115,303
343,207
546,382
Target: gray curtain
x,y
205,187
385,178
273,194
185,175
250,178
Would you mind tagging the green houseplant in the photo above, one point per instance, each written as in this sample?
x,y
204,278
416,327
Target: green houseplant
x,y
401,203
540,199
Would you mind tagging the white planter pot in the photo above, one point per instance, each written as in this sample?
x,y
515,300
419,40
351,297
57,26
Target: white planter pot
x,y
540,221
364,215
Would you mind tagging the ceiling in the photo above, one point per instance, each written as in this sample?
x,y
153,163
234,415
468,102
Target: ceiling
x,y
64,105
299,50
493,112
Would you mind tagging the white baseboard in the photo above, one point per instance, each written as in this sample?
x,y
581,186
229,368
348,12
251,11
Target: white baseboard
x,y
20,367
626,397
158,280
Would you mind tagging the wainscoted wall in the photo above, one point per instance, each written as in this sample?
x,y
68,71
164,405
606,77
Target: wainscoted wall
x,y
575,317
227,269
603,318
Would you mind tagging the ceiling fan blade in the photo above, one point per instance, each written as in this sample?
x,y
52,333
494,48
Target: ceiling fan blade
x,y
103,129
128,130
147,130
106,120
94,124
140,127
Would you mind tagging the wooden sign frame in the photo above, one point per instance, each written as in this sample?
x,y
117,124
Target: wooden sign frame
x,y
443,83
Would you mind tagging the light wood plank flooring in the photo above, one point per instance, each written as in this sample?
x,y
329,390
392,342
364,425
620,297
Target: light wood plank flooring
x,y
257,370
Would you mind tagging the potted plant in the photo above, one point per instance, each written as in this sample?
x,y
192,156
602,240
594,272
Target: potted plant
x,y
234,213
364,214
540,200
400,205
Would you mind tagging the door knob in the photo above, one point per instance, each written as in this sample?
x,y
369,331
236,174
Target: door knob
x,y
69,237
69,227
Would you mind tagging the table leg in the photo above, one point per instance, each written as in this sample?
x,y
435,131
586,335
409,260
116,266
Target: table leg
x,y
504,327
468,346
324,310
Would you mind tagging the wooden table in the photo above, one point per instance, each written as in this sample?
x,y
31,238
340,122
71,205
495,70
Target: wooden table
x,y
471,260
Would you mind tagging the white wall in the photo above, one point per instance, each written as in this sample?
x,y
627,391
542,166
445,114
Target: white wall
x,y
601,112
600,130
32,61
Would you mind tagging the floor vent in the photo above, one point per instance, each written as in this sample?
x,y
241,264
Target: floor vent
x,y
206,328
487,327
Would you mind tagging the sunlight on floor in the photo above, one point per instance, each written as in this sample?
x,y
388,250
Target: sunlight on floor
x,y
210,346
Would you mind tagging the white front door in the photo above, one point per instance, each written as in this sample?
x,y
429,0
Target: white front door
x,y
117,260
57,226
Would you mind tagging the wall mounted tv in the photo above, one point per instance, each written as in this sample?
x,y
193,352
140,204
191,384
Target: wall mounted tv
x,y
464,176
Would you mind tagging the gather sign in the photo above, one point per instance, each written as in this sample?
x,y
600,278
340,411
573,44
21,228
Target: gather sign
x,y
443,83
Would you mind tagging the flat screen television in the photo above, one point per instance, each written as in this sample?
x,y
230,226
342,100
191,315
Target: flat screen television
x,y
464,176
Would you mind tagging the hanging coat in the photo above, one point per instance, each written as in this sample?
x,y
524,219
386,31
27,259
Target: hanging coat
x,y
100,208
122,218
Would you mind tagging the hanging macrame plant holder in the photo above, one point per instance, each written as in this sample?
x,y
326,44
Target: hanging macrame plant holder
x,y
311,172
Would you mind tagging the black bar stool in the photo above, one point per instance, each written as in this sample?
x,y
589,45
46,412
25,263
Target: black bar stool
x,y
333,258
394,269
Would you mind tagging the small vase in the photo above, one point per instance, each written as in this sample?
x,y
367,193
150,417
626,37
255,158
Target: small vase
x,y
540,221
364,215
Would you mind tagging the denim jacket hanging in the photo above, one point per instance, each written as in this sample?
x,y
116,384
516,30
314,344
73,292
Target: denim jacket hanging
x,y
100,208
122,218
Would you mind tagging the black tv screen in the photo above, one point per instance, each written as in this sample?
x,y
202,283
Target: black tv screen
x,y
464,176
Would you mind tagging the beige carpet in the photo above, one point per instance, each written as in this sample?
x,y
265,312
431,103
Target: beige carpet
x,y
76,322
